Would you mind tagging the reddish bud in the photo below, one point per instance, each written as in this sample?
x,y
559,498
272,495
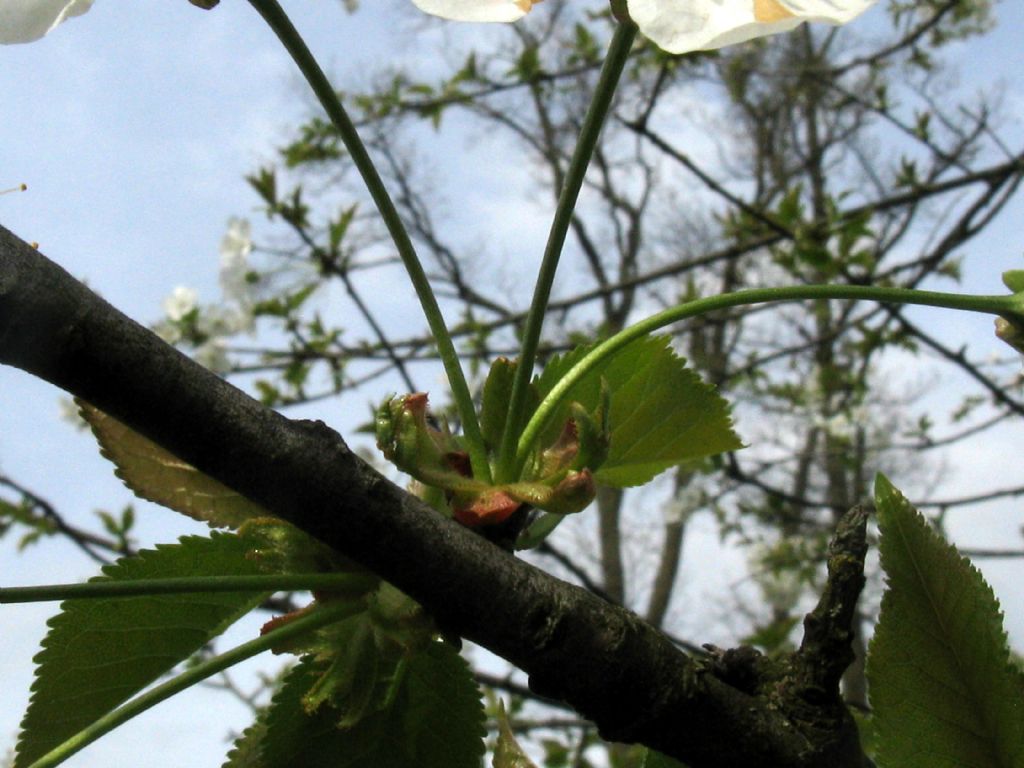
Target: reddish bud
x,y
487,509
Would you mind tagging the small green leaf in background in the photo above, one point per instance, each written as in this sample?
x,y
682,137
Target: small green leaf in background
x,y
433,719
98,653
661,413
657,760
508,753
943,690
157,475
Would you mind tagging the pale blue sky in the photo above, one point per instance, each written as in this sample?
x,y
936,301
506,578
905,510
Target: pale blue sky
x,y
133,126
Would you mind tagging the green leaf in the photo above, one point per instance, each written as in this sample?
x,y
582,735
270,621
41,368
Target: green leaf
x,y
245,752
98,653
943,690
157,475
339,227
657,760
494,404
508,753
285,735
265,183
1014,280
434,720
360,677
280,547
661,413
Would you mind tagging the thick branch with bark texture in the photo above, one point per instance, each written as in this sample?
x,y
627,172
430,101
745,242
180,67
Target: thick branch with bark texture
x,y
605,662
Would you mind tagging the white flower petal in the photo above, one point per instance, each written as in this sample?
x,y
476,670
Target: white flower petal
x,y
213,354
237,241
678,26
22,21
235,248
476,10
181,301
224,321
167,331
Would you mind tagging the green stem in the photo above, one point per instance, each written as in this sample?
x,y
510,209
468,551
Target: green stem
x,y
618,52
325,582
278,20
323,616
995,305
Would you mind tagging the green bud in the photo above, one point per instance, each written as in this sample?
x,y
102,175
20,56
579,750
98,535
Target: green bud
x,y
1011,330
573,494
582,443
429,454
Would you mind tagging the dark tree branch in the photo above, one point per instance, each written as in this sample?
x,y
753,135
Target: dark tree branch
x,y
549,550
606,663
826,650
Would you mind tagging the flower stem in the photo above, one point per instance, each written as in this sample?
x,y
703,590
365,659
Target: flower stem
x,y
278,20
996,305
615,62
326,582
324,615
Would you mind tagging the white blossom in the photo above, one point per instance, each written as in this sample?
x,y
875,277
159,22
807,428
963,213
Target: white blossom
x,y
181,301
235,248
224,320
476,10
213,354
22,21
679,26
168,332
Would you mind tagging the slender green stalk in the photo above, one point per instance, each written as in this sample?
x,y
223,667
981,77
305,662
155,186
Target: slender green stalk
x,y
618,52
326,582
321,617
995,305
278,20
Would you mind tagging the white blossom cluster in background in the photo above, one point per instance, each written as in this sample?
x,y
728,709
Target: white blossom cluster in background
x,y
209,327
